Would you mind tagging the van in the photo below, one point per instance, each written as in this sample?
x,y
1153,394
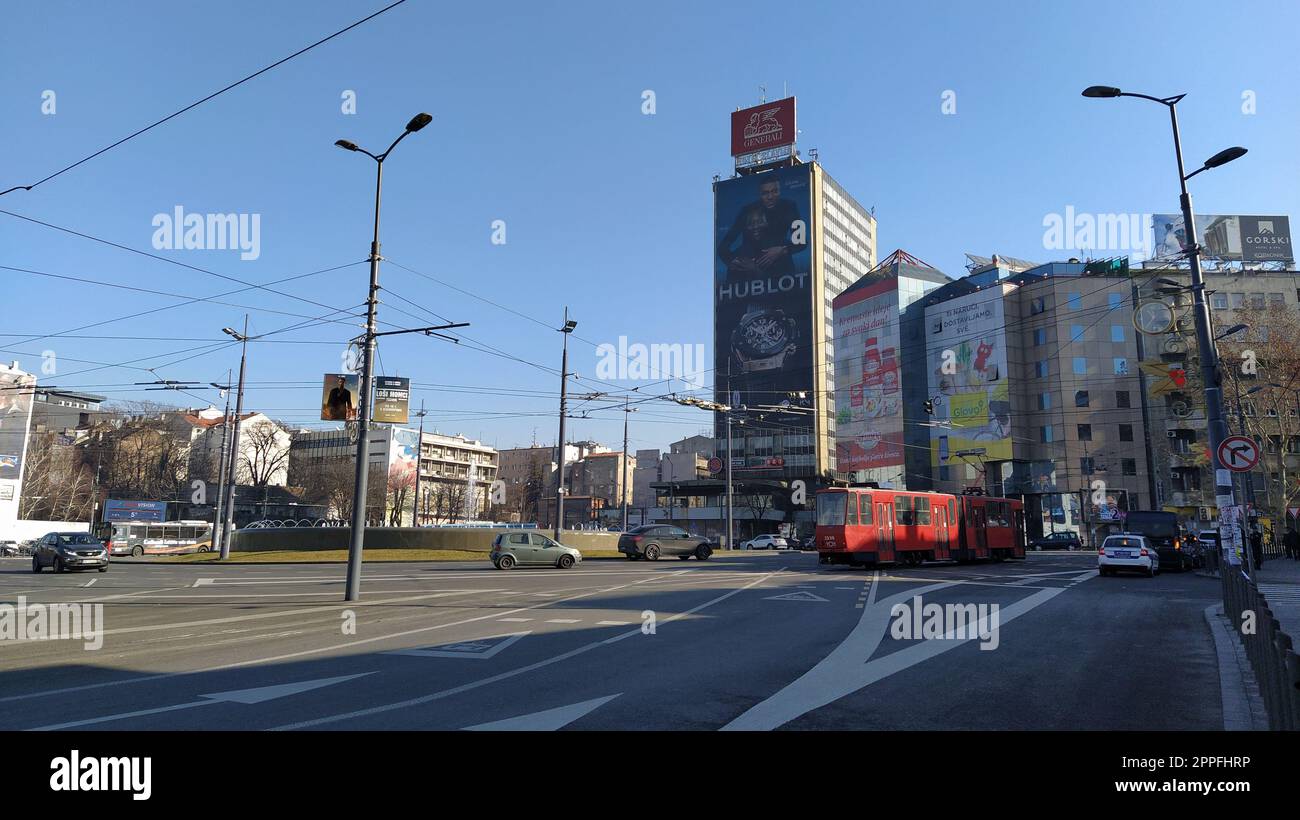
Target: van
x,y
1166,534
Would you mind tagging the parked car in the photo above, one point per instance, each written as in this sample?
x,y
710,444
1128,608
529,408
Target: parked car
x,y
8,549
68,551
653,541
1208,543
808,542
1128,552
766,541
531,549
1057,541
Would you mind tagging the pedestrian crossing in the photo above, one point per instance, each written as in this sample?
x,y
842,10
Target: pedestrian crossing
x,y
1281,593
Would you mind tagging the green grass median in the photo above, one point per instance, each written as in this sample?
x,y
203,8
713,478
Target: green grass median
x,y
341,556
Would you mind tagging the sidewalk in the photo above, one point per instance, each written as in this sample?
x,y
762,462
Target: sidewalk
x,y
1279,581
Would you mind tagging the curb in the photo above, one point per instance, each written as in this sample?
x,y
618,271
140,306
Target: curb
x,y
1243,708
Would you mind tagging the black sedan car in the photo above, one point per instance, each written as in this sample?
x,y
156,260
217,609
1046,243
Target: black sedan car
x,y
1057,541
653,541
66,551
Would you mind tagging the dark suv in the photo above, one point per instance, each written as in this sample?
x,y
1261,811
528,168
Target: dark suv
x,y
69,550
652,541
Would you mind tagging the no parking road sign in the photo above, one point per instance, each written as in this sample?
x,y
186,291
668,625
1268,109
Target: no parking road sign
x,y
1238,453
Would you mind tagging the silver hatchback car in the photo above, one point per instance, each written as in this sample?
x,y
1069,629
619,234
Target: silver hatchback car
x,y
531,549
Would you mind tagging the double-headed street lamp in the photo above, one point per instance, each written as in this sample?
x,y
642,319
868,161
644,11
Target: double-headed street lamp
x,y
367,368
566,329
228,515
1218,428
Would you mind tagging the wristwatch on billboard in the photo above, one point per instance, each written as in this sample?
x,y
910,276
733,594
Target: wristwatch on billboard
x,y
762,339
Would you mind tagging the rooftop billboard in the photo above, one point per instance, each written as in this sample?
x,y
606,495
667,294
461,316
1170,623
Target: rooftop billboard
x,y
763,127
1227,238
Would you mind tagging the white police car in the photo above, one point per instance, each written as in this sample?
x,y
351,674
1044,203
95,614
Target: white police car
x,y
1128,551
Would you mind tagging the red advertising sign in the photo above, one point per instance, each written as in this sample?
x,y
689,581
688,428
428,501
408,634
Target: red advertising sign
x,y
769,125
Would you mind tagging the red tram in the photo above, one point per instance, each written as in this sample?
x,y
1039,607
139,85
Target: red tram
x,y
868,526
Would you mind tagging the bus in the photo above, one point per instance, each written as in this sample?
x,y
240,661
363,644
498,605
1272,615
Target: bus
x,y
867,526
163,538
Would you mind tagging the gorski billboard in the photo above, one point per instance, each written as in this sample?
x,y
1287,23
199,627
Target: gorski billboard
x,y
966,350
762,296
868,383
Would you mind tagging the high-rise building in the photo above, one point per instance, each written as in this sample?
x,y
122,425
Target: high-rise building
x,y
787,240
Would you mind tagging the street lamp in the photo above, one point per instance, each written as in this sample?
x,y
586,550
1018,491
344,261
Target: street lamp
x,y
1234,329
568,327
358,534
228,527
1209,354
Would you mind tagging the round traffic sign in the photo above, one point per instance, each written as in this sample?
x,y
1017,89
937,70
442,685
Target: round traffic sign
x,y
1238,453
715,465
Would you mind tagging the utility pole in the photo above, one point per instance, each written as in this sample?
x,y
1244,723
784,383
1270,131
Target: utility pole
x,y
568,327
727,414
217,541
234,440
419,459
623,478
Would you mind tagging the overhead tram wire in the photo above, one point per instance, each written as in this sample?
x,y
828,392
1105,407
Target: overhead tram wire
x,y
197,103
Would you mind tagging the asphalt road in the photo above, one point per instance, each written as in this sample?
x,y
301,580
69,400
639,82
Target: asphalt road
x,y
747,641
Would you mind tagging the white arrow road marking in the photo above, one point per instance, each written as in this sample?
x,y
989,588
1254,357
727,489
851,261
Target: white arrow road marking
x,y
844,672
545,721
244,696
466,687
90,582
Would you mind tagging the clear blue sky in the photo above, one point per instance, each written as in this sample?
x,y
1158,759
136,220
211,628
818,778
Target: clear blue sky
x,y
537,122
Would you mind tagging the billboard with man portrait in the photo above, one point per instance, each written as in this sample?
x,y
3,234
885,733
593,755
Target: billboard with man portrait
x,y
339,397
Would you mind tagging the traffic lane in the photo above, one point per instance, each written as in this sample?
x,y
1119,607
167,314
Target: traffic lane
x,y
249,666
1125,653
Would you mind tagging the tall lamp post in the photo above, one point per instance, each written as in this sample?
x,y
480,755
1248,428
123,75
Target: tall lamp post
x,y
1215,421
229,526
225,389
353,590
568,327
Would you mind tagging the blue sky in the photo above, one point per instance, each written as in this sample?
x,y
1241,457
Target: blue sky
x,y
538,122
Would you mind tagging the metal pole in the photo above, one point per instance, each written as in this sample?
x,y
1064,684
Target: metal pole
x,y
564,383
1248,489
623,478
217,541
234,448
1215,423
419,455
358,539
730,529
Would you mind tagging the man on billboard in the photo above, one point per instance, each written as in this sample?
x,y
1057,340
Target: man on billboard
x,y
764,230
338,404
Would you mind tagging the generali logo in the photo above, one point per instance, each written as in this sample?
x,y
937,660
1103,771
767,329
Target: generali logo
x,y
763,126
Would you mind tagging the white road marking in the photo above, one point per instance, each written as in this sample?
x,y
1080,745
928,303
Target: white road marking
x,y
563,621
796,596
475,649
514,620
846,669
545,721
244,696
90,582
406,704
612,623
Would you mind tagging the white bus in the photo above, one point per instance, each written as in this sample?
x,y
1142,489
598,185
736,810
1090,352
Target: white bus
x,y
167,538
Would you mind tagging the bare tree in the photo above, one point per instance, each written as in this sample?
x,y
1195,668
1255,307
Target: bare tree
x,y
57,486
263,453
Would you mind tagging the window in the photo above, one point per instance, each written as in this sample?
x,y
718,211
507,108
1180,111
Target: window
x,y
1128,466
1121,398
865,503
1041,369
1045,434
1080,366
1038,305
1075,301
952,511
1044,401
1081,398
1126,432
830,509
943,472
1085,432
1114,301
1040,336
1238,300
1076,333
1276,300
922,511
903,510
1117,333
1219,301
1257,301
852,501
1121,366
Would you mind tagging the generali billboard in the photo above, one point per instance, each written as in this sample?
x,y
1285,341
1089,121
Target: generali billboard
x,y
770,125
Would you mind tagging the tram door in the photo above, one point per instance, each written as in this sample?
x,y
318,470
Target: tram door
x,y
885,531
